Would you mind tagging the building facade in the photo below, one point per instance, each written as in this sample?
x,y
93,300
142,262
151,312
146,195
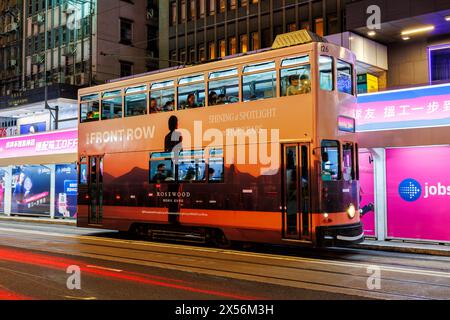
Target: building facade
x,y
202,30
11,46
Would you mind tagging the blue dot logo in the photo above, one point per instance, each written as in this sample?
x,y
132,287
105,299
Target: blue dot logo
x,y
410,190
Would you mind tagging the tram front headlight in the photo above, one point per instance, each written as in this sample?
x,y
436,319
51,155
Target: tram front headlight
x,y
351,211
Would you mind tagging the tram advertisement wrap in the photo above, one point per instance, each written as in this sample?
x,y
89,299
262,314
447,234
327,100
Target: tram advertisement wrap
x,y
366,171
31,190
418,193
66,191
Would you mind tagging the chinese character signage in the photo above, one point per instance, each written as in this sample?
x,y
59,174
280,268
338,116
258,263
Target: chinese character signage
x,y
402,109
49,143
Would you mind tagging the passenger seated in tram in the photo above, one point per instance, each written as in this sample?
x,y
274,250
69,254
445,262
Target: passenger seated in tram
x,y
298,85
169,106
154,107
161,174
190,102
305,83
222,99
212,98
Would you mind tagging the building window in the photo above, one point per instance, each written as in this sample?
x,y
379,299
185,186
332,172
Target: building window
x,y
222,48
440,63
319,26
243,3
232,45
183,10
193,10
291,27
244,43
212,7
255,41
126,69
233,4
126,31
223,5
201,53
201,6
173,14
212,50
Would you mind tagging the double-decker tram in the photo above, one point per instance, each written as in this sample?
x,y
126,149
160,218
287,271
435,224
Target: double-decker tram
x,y
255,148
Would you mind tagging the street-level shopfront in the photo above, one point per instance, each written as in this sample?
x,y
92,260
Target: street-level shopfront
x,y
38,174
405,163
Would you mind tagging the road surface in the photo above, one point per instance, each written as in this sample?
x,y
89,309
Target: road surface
x,y
35,260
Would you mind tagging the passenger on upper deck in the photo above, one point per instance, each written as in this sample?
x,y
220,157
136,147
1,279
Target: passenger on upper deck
x,y
169,106
154,107
222,99
298,86
161,174
212,98
190,103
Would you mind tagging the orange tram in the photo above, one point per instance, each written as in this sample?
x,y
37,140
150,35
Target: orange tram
x,y
255,148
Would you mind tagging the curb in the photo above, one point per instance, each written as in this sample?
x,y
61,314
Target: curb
x,y
39,220
443,251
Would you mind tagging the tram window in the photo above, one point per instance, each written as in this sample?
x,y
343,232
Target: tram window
x,y
191,170
192,96
259,86
326,73
89,111
161,171
296,81
112,108
223,87
258,82
216,166
162,101
224,91
83,171
295,61
330,160
347,157
136,104
344,77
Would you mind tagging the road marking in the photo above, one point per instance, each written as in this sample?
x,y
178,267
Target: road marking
x,y
81,298
104,268
244,254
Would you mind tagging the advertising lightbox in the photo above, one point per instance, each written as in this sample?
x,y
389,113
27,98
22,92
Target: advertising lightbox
x,y
31,190
367,183
66,187
401,109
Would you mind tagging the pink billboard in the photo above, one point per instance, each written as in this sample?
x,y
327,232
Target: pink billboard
x,y
418,193
406,108
49,143
367,183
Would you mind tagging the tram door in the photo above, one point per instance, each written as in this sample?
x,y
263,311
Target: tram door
x,y
95,190
296,192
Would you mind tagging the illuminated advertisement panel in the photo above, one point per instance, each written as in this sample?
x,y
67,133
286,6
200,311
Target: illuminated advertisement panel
x,y
66,186
402,109
31,190
49,143
418,193
367,183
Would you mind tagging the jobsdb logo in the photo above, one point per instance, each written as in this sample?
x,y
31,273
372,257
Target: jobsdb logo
x,y
411,190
